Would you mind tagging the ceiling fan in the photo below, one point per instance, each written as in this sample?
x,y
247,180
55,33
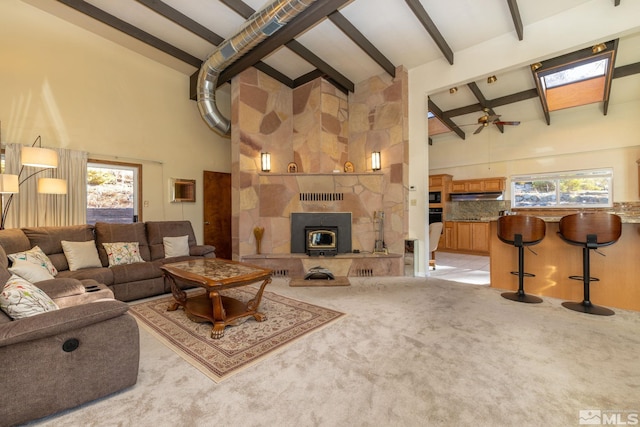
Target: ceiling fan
x,y
488,119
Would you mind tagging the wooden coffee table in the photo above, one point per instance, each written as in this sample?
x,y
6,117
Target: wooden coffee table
x,y
214,275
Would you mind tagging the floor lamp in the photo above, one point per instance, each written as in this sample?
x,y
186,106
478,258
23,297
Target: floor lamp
x,y
34,156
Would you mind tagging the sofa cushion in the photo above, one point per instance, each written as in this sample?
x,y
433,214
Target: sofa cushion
x,y
100,275
36,256
14,240
157,230
19,299
62,287
81,254
122,253
134,273
114,233
29,271
49,238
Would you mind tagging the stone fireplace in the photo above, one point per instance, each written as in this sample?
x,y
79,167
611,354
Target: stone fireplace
x,y
320,129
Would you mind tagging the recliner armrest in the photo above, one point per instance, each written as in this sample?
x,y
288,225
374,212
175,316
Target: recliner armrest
x,y
202,250
57,321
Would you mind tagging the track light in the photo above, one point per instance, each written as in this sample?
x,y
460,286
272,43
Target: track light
x,y
599,48
492,79
536,66
453,90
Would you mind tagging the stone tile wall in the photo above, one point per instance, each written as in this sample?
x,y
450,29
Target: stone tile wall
x,y
319,128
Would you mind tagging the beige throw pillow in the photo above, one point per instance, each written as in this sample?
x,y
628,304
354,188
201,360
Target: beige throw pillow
x,y
176,246
81,254
121,253
29,271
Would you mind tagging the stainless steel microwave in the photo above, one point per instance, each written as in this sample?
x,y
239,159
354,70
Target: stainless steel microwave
x,y
435,197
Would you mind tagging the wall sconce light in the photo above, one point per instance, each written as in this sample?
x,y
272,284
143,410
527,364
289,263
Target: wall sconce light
x,y
265,162
492,79
38,157
453,90
600,47
536,66
375,160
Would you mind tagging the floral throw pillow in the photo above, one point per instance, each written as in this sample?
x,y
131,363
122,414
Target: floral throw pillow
x,y
123,253
20,298
36,256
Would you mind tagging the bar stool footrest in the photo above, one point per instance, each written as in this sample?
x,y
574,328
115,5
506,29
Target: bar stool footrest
x,y
581,278
517,273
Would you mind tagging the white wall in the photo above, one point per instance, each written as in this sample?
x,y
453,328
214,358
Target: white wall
x,y
80,91
576,138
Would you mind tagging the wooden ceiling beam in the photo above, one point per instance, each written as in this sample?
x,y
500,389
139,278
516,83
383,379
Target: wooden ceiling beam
x,y
239,7
309,17
325,68
626,70
440,115
135,32
468,109
358,38
183,20
483,101
426,21
517,20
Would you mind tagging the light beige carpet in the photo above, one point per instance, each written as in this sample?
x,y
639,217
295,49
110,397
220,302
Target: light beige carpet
x,y
242,345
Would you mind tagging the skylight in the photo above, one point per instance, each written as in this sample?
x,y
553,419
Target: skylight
x,y
578,78
577,73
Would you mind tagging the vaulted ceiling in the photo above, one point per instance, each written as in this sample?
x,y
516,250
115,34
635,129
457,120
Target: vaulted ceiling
x,y
344,41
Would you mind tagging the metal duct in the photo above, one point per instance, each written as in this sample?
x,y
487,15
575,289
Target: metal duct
x,y
258,27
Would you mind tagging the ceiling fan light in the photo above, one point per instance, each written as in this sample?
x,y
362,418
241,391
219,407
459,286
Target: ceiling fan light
x,y
492,79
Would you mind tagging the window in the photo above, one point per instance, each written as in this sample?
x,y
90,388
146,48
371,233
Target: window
x,y
584,188
113,192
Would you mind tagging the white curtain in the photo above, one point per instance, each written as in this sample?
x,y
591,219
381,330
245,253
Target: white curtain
x,y
30,209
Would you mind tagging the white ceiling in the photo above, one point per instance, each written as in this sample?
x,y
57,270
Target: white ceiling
x,y
390,25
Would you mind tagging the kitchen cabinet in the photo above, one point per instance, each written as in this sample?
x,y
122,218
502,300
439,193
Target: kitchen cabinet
x,y
438,182
483,185
449,236
472,236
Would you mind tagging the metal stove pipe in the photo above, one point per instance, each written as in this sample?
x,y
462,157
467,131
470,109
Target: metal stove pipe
x,y
258,27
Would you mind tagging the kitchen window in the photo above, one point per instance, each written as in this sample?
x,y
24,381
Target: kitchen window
x,y
572,189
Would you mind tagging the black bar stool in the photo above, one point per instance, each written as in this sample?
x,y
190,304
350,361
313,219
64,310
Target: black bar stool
x,y
521,231
591,231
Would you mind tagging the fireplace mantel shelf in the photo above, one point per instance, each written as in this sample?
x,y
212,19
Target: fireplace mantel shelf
x,y
320,174
305,256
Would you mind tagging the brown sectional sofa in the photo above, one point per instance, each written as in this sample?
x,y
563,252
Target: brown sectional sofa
x,y
34,351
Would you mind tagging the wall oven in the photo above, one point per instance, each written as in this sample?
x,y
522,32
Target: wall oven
x,y
435,197
435,215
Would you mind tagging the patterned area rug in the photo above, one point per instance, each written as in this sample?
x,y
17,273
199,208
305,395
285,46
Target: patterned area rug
x,y
242,345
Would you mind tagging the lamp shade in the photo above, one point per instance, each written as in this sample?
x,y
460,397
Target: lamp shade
x,y
39,157
52,186
9,183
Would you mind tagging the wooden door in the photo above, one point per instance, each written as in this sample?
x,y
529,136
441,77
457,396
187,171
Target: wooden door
x,y
217,212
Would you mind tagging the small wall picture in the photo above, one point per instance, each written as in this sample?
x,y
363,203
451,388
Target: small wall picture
x,y
292,168
348,167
